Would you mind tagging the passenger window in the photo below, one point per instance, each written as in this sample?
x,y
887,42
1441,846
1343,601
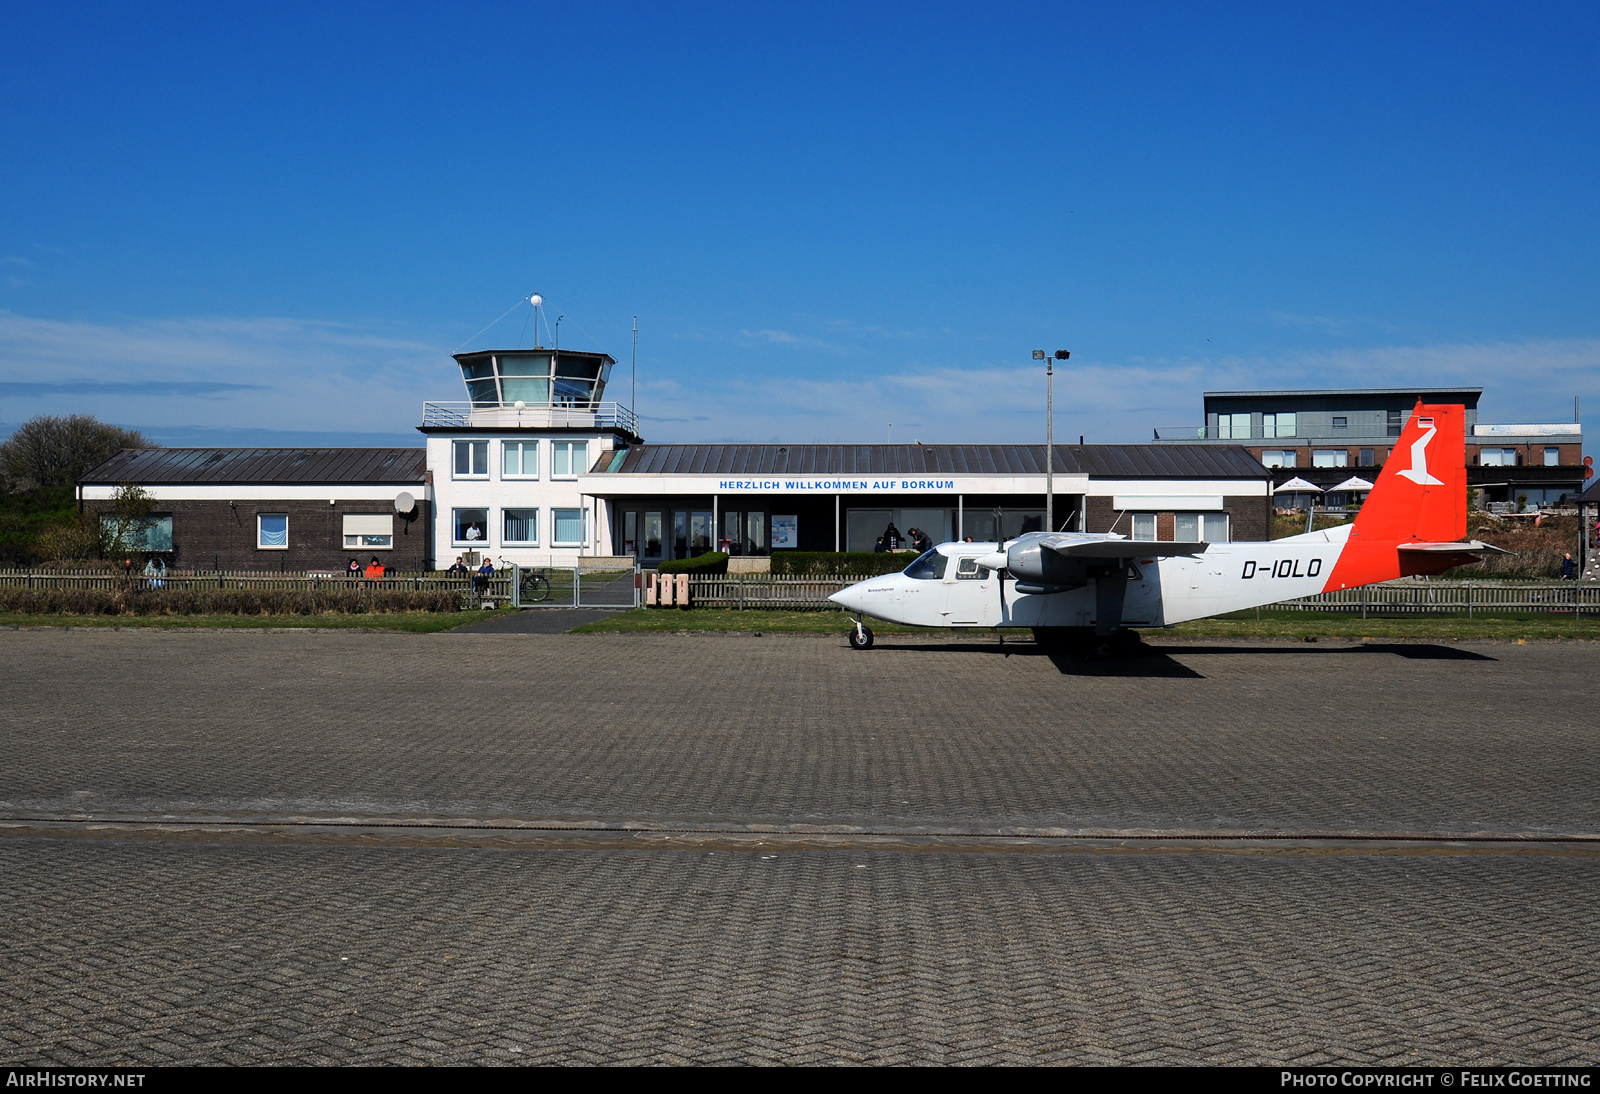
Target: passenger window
x,y
967,569
930,567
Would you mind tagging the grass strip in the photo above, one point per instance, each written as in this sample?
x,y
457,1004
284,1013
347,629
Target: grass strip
x,y
415,622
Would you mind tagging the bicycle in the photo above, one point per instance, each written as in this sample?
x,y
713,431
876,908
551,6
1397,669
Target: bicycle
x,y
535,586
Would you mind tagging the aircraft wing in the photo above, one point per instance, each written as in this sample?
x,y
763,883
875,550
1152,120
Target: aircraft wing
x,y
1470,547
1080,546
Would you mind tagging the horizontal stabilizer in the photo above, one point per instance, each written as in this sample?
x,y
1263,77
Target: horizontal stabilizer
x,y
1468,547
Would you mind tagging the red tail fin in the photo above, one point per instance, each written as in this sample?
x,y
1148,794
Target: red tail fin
x,y
1420,497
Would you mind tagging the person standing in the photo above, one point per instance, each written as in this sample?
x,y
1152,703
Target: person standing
x,y
353,570
374,573
1568,567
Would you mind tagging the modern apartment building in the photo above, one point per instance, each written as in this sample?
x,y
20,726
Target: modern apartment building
x,y
1322,434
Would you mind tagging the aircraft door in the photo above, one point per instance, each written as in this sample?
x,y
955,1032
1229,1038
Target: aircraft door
x,y
972,597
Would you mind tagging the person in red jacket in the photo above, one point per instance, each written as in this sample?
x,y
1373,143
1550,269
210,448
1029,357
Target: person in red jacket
x,y
375,571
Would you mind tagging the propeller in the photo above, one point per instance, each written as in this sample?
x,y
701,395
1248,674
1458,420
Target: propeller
x,y
996,563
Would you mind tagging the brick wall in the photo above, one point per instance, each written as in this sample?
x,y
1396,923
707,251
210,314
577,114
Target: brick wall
x,y
214,535
1248,518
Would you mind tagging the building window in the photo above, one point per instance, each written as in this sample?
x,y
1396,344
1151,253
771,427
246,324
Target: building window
x,y
1497,457
519,459
567,526
469,527
1277,457
1396,420
1234,427
471,459
1552,457
152,533
1144,526
272,531
568,459
1367,457
1330,457
374,530
1195,527
1282,425
1341,423
520,526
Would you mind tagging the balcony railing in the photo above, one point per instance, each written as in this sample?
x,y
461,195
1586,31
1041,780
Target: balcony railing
x,y
1180,433
560,416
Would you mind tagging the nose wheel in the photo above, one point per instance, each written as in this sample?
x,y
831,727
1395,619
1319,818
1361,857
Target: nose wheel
x,y
861,637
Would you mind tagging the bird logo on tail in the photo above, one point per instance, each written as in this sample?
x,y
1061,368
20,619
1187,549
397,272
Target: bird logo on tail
x,y
1418,471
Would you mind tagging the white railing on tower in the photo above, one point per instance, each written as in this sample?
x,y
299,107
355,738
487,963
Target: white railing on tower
x,y
465,415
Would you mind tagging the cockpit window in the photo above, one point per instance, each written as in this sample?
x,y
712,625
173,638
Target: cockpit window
x,y
967,569
930,567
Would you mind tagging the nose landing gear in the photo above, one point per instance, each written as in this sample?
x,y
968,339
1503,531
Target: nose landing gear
x,y
861,637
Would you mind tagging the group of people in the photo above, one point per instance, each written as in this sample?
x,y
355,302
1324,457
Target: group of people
x,y
894,540
373,572
480,577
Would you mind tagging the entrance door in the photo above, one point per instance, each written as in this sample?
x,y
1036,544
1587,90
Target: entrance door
x,y
700,532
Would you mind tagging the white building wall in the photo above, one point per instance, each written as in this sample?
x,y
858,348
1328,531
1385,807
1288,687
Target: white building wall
x,y
494,493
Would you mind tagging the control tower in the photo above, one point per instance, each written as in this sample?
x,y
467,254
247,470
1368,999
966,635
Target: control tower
x,y
505,462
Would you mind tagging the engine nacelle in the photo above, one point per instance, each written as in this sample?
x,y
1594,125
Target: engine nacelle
x,y
1039,569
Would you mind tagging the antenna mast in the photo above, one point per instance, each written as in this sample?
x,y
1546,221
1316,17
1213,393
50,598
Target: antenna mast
x,y
633,395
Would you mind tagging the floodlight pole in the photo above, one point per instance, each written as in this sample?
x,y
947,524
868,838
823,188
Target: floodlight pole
x,y
1050,433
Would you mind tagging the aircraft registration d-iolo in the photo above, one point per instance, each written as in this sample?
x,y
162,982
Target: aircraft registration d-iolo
x,y
1093,587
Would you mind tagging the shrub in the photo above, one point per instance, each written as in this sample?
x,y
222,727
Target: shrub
x,y
225,601
849,563
712,562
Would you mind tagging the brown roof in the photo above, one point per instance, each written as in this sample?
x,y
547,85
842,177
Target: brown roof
x,y
151,466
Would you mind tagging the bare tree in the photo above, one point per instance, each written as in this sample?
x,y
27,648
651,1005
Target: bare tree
x,y
47,452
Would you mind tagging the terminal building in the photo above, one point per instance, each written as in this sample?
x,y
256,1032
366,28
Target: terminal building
x,y
1320,434
537,467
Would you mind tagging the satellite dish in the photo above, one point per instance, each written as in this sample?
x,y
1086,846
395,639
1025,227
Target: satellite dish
x,y
404,502
536,300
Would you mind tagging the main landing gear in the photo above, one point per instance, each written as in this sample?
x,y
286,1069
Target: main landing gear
x,y
861,637
1085,642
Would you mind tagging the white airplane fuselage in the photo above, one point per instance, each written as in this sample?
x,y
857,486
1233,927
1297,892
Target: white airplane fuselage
x,y
1227,577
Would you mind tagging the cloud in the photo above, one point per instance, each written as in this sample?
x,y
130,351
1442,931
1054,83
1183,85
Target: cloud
x,y
221,372
276,374
1115,401
177,388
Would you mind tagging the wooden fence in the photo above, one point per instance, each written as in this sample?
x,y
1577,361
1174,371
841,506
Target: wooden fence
x,y
258,581
1404,597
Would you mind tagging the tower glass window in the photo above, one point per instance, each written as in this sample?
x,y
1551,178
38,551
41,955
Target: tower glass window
x,y
536,378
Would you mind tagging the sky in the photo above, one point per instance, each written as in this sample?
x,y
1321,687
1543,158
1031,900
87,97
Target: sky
x,y
272,224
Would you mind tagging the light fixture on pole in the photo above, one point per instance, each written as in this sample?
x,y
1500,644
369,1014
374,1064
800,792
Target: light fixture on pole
x,y
1050,433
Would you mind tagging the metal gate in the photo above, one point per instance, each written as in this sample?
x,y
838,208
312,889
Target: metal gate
x,y
573,587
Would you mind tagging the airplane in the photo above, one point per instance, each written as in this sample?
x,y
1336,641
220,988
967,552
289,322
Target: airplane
x,y
1090,588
